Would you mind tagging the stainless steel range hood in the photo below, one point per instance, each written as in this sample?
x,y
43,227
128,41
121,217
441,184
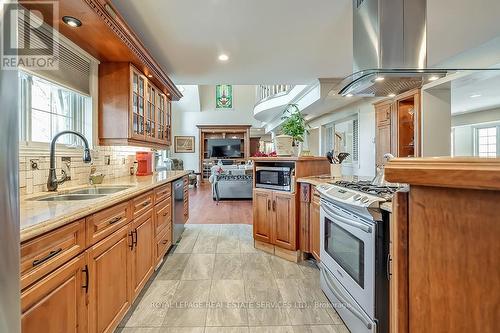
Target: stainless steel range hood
x,y
389,48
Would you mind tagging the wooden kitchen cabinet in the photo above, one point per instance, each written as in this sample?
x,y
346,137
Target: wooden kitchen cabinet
x,y
110,280
446,267
315,233
142,254
43,254
310,234
398,126
262,219
57,303
132,110
274,218
383,115
283,231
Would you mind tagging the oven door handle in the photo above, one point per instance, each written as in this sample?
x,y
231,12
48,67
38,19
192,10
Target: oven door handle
x,y
344,220
348,305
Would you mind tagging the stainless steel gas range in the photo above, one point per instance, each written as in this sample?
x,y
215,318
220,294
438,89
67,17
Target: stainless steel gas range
x,y
354,253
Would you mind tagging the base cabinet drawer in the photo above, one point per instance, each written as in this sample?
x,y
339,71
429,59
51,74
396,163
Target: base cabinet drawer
x,y
110,281
142,204
45,253
163,216
162,244
105,222
57,303
163,192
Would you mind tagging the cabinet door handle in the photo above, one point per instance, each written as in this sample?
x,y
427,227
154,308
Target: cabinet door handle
x,y
165,241
135,233
131,234
165,214
269,204
274,205
388,263
52,254
86,285
116,219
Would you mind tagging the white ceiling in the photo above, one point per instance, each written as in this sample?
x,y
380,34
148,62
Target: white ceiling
x,y
268,41
476,92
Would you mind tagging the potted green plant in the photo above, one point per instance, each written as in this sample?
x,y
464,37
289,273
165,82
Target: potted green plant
x,y
293,130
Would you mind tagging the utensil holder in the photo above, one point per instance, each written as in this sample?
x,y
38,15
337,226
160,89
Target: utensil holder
x,y
336,170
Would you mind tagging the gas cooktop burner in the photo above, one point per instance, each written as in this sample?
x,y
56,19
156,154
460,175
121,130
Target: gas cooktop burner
x,y
385,192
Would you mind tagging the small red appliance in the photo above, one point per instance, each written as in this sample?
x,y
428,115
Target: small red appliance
x,y
144,163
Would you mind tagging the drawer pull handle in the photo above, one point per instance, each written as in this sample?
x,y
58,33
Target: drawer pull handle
x,y
49,256
145,203
116,219
165,214
86,286
165,241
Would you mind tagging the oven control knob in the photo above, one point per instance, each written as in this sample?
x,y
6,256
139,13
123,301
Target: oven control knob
x,y
357,197
365,200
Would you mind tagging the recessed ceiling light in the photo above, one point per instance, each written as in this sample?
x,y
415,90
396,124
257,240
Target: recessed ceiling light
x,y
168,94
223,57
391,95
379,78
72,21
348,95
433,78
475,96
150,75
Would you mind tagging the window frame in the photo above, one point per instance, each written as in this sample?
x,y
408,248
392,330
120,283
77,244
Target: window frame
x,y
26,113
476,137
331,127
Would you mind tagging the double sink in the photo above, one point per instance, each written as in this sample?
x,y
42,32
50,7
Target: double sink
x,y
86,193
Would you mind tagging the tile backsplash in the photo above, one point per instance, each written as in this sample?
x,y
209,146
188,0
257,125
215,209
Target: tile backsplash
x,y
113,162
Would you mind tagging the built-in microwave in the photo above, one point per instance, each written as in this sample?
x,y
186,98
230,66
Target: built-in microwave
x,y
273,177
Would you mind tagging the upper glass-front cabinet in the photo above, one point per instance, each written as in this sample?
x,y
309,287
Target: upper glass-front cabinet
x,y
133,110
138,97
150,111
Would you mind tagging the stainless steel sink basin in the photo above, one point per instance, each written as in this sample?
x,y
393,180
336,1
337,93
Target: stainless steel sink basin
x,y
71,197
100,190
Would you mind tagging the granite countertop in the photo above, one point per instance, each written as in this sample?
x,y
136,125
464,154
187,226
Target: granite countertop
x,y
322,179
38,217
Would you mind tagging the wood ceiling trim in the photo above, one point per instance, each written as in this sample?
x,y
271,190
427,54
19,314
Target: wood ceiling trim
x,y
106,36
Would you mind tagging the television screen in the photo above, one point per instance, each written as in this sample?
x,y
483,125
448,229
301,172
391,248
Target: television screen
x,y
224,148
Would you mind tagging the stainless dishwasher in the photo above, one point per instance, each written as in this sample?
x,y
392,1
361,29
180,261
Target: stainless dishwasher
x,y
178,209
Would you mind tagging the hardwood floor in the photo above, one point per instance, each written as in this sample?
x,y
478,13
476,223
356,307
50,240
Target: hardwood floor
x,y
204,210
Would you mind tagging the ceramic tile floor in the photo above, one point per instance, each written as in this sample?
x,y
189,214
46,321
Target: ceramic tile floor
x,y
215,281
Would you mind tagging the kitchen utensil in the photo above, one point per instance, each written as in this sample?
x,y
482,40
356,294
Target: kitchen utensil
x,y
342,156
329,155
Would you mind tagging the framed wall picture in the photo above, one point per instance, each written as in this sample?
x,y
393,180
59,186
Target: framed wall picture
x,y
224,96
184,144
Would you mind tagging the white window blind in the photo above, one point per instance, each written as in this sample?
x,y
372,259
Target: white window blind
x,y
74,69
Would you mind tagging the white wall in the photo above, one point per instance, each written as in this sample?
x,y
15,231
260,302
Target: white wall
x,y
436,121
366,117
463,127
314,141
197,107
